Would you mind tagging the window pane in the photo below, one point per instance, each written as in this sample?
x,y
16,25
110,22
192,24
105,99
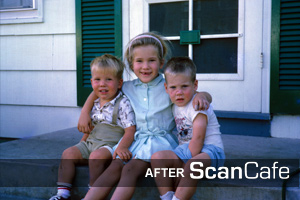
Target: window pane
x,y
216,16
176,50
212,56
210,17
15,4
216,56
169,18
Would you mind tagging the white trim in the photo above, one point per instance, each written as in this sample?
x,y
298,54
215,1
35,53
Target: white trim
x,y
214,36
266,49
20,16
240,36
127,34
18,9
191,12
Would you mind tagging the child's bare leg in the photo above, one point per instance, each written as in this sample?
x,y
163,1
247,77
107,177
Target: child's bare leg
x,y
187,186
130,174
70,158
105,182
165,159
98,161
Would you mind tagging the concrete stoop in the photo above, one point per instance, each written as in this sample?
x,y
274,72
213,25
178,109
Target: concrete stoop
x,y
146,193
33,162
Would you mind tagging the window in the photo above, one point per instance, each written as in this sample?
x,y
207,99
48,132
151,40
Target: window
x,y
21,11
219,56
6,5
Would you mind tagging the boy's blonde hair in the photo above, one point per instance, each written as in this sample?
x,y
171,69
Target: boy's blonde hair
x,y
181,65
144,39
110,63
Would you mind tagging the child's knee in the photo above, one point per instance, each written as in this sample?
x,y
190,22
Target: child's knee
x,y
101,155
158,155
155,156
71,153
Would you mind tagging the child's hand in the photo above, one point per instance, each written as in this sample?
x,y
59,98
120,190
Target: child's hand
x,y
201,104
124,153
202,101
84,124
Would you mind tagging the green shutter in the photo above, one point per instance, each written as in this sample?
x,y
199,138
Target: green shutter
x,y
98,31
285,57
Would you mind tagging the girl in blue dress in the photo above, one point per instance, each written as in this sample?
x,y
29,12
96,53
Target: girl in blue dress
x,y
154,119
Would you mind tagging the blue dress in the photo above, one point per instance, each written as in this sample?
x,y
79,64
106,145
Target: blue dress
x,y
154,118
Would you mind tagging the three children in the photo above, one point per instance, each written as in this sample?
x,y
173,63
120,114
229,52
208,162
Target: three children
x,y
154,122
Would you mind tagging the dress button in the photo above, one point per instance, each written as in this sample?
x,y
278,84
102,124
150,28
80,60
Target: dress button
x,y
145,99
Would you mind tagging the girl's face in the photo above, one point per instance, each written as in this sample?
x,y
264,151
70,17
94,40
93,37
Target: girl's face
x,y
146,63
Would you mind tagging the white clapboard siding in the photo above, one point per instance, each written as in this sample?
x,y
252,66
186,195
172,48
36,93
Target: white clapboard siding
x,y
43,88
26,121
38,73
38,52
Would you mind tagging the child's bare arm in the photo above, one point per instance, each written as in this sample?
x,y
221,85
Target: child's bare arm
x,y
199,131
84,137
84,122
202,101
122,149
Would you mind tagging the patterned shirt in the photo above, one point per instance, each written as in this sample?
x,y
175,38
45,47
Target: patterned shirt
x,y
184,117
126,116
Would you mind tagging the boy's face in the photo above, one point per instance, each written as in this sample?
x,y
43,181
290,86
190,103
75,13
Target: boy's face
x,y
180,88
105,84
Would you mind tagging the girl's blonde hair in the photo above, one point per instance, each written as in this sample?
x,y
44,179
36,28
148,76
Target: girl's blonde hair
x,y
109,63
148,38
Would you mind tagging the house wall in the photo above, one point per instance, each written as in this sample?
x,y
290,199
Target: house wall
x,y
38,73
286,126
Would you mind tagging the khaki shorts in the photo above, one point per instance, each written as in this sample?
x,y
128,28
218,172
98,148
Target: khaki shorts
x,y
86,148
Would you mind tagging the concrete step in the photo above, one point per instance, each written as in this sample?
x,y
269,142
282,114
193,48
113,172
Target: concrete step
x,y
29,169
13,197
